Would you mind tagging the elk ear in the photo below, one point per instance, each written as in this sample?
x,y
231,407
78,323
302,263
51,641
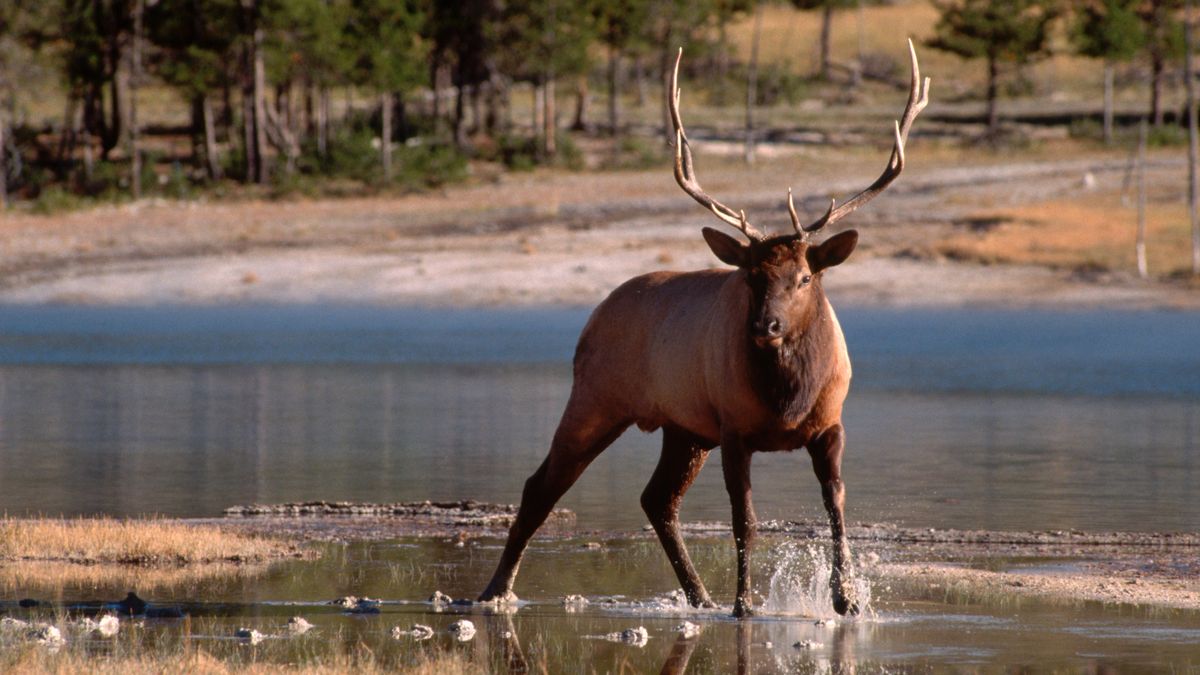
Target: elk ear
x,y
729,250
832,251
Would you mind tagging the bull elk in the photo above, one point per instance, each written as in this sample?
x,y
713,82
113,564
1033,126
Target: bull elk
x,y
750,359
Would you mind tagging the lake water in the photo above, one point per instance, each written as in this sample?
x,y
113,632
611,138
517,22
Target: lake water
x,y
956,418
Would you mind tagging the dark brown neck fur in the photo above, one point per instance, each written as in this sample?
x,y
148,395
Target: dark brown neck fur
x,y
789,378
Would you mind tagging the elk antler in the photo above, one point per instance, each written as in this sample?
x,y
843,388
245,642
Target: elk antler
x,y
918,98
685,174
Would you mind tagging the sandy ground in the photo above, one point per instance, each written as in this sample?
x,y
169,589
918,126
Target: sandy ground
x,y
554,238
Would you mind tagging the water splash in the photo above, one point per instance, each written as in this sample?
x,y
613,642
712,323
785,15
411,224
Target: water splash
x,y
800,582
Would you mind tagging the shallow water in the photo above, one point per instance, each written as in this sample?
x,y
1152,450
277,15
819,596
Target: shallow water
x,y
965,418
628,584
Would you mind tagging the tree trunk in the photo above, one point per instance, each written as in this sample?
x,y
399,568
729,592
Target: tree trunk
x,y
550,117
3,163
135,76
993,94
583,99
211,159
1189,76
260,105
1157,71
323,121
752,83
1140,245
1108,102
539,110
826,39
460,129
614,91
639,80
385,145
722,58
665,70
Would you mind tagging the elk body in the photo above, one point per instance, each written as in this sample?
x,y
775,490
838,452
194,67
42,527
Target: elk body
x,y
750,360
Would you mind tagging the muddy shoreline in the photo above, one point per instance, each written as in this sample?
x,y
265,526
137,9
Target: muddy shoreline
x,y
1136,568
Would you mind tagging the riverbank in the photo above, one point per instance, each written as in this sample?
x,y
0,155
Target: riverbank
x,y
957,230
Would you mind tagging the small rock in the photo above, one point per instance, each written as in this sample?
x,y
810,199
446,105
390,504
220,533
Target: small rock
x,y
440,601
462,630
768,644
827,623
10,624
248,635
345,602
592,546
108,626
631,636
47,635
419,631
298,625
575,602
687,630
808,644
27,603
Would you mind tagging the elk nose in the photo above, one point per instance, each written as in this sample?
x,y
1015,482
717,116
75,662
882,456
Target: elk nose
x,y
770,327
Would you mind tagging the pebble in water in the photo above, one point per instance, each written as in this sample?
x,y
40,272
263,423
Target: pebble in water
x,y
298,625
440,601
687,630
418,632
575,602
462,630
248,635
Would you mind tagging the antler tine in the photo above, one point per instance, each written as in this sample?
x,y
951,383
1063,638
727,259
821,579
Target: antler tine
x,y
918,98
685,173
800,230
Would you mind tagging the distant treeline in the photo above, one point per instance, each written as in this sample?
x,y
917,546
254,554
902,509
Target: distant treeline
x,y
261,78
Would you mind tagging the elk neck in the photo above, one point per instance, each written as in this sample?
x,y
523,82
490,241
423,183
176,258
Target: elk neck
x,y
788,377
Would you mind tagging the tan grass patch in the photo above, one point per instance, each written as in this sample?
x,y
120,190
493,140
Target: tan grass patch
x,y
49,578
134,541
1097,234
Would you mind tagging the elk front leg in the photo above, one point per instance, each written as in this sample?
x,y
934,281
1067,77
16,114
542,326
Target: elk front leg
x,y
681,460
580,437
826,452
735,463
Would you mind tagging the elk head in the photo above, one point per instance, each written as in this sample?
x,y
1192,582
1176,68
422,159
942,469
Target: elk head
x,y
784,271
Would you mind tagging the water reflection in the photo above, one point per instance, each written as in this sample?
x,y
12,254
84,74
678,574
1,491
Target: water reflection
x,y
1000,420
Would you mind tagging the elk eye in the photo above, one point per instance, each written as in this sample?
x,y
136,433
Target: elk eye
x,y
805,279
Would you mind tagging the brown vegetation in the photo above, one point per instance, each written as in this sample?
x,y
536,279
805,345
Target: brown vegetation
x,y
109,540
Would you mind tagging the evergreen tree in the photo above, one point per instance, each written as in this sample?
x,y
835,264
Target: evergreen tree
x,y
1109,30
1013,31
828,7
1164,43
618,27
384,38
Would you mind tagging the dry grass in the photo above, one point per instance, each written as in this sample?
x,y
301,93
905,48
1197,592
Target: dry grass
x,y
1094,235
39,660
137,541
50,578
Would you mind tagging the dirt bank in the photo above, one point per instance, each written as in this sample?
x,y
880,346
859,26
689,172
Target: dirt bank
x,y
569,239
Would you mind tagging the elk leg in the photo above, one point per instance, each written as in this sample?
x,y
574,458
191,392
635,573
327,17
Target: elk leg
x,y
681,460
580,438
735,464
826,452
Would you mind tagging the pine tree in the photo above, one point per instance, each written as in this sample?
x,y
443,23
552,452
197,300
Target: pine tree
x,y
1108,30
1011,31
828,7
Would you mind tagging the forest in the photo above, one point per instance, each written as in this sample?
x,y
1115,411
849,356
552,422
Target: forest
x,y
168,97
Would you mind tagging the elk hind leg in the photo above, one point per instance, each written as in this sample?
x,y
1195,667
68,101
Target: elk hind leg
x,y
826,451
582,435
682,458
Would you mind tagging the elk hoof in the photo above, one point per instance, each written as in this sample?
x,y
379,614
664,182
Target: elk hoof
x,y
844,606
742,609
